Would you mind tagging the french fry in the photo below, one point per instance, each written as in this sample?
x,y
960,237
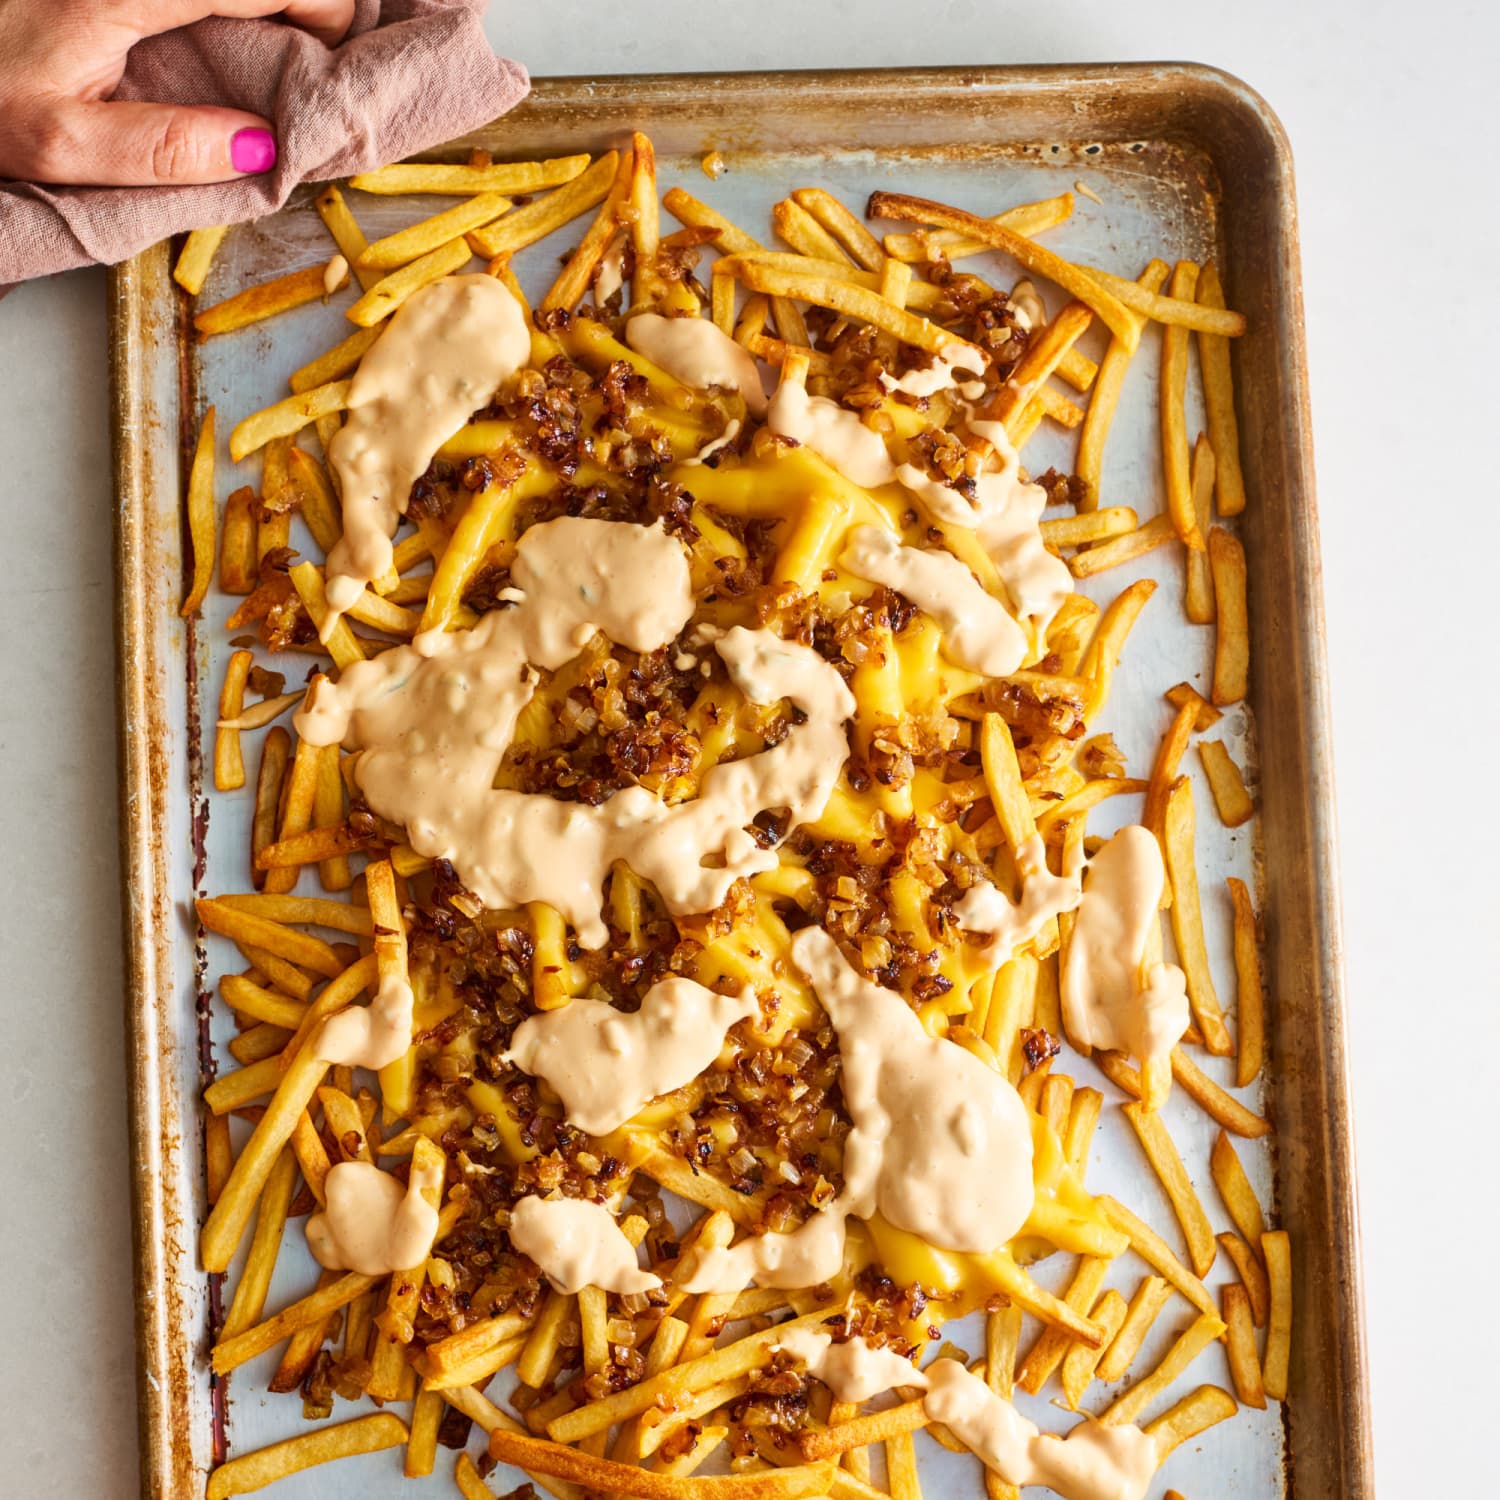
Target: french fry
x,y
196,256
1218,400
287,417
1082,1121
274,525
1174,443
237,556
229,763
218,1156
578,274
1080,1363
340,360
1206,1406
805,234
1239,1345
1041,358
901,1468
1187,917
256,303
258,1041
1103,654
1249,988
1226,784
255,1279
392,290
1202,1332
535,220
1165,1161
1091,526
261,1004
230,1354
1169,755
845,226
502,177
1252,1276
420,239
343,645
201,516
340,223
1226,558
872,1427
1182,693
1234,1188
1153,1249
328,810
1172,311
1198,592
1156,532
950,244
1051,1344
296,810
274,937
1076,281
1149,1299
253,1471
1223,1107
535,1454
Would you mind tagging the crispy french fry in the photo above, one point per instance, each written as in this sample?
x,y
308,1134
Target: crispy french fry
x,y
420,239
275,754
950,244
1234,1188
1187,917
1252,1276
1202,1332
535,220
1251,994
1226,558
1083,1118
1173,311
1153,1249
287,417
253,1471
1092,526
1075,280
1226,784
805,234
253,1000
274,937
255,1278
1222,1106
1174,443
578,274
1149,1299
1169,755
1182,693
1080,1363
196,256
873,1427
201,515
255,303
1051,1344
392,290
339,221
1156,532
502,177
343,645
844,225
340,360
229,763
296,810
1239,1345
1042,356
1198,592
1165,1161
1207,1406
1103,654
237,555
230,1354
1218,400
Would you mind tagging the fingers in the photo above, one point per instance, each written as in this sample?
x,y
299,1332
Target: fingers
x,y
126,144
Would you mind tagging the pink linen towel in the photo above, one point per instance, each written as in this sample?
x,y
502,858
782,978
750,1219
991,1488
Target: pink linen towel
x,y
409,74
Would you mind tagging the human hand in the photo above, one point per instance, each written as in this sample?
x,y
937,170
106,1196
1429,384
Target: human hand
x,y
60,60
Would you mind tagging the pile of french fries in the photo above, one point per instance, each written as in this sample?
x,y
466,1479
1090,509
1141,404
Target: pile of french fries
x,y
304,956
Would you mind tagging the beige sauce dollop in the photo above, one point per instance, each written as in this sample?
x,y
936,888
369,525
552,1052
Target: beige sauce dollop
x,y
837,436
1010,925
610,276
370,1036
853,1370
1114,996
941,1144
699,353
577,1244
1093,1462
606,1064
942,374
978,631
372,1224
433,721
446,351
335,274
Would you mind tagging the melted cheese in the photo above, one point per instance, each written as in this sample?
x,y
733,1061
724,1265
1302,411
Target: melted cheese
x,y
577,1244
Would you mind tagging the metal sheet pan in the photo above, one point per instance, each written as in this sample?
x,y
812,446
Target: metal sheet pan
x,y
1188,161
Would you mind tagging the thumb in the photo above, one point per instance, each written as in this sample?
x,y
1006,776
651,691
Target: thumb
x,y
129,144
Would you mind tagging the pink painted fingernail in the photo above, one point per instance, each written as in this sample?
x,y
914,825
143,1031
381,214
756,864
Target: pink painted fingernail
x,y
252,150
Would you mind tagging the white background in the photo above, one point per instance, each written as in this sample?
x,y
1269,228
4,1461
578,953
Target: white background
x,y
1390,110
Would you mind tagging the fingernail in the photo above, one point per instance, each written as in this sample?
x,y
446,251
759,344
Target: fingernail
x,y
252,150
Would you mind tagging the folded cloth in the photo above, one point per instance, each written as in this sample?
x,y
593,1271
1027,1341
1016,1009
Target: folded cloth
x,y
410,74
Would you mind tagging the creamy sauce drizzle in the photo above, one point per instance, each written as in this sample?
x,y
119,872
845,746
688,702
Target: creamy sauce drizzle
x,y
1092,1462
835,435
433,721
335,274
853,1371
372,1224
445,353
1027,305
1010,925
699,353
942,374
941,1145
1116,994
606,1064
725,438
610,276
978,631
577,1244
370,1036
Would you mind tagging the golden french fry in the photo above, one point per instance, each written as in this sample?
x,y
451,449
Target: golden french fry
x,y
392,290
420,239
1214,1101
1182,693
253,1471
502,177
1174,443
1169,755
1251,994
1198,593
1239,1345
196,256
230,1354
201,516
339,221
950,244
567,291
1090,526
1043,354
275,754
287,417
1149,1299
255,303
1103,654
343,645
1165,1161
1202,1332
1156,532
339,361
873,1427
1052,1344
1226,784
270,1222
805,234
1190,1416
1226,557
1080,1363
1154,1251
229,763
1173,311
533,221
1234,1188
237,554
844,225
1187,917
1218,400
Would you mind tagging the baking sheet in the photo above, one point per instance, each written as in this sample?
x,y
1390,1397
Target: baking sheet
x,y
1173,185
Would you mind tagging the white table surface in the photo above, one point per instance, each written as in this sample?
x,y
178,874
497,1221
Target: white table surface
x,y
1389,112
